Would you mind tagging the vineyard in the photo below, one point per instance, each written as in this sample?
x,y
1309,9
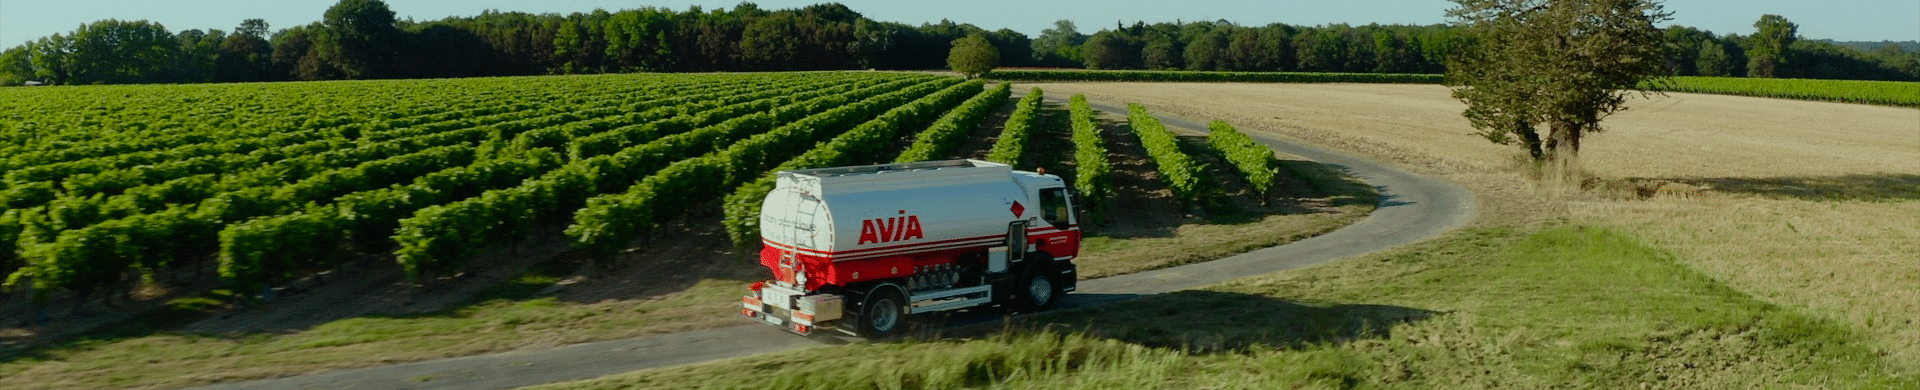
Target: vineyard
x,y
1886,93
1180,171
1198,76
276,181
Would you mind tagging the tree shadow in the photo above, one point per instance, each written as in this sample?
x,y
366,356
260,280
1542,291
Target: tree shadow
x,y
1856,187
1333,181
1207,321
1392,200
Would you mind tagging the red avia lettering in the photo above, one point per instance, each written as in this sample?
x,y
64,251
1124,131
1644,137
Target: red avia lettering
x,y
890,229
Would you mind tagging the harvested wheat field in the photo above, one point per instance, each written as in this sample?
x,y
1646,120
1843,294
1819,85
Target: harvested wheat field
x,y
1807,205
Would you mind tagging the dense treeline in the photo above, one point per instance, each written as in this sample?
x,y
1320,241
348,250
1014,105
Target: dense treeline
x,y
1895,46
361,39
1224,46
1774,51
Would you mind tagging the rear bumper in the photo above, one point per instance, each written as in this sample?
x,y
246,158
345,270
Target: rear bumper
x,y
792,310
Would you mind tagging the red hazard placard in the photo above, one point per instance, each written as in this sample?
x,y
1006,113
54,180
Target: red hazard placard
x,y
1017,209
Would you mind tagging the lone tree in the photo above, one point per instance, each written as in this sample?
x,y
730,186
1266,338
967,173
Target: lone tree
x,y
1772,44
1562,64
361,38
973,56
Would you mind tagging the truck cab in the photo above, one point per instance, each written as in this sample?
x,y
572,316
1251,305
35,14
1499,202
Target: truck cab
x,y
860,249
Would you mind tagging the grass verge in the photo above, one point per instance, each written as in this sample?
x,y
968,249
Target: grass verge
x,y
1562,307
1849,259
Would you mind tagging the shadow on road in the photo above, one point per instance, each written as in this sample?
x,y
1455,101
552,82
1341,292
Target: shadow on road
x,y
1391,200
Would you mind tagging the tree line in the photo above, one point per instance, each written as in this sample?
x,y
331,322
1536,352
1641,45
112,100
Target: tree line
x,y
1773,51
362,39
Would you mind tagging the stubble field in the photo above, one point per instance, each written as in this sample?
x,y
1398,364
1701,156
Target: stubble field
x,y
1802,204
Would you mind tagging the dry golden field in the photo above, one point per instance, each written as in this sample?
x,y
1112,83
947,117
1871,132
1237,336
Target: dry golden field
x,y
1807,205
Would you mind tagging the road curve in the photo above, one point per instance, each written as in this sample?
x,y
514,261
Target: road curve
x,y
1413,208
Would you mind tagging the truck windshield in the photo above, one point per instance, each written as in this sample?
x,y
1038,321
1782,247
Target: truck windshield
x,y
1053,206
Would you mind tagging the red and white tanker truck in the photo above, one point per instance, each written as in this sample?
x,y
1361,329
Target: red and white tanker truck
x,y
858,249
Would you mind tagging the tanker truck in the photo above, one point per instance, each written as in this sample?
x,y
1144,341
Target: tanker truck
x,y
861,249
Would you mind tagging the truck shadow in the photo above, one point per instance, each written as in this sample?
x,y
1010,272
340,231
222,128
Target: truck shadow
x,y
1193,321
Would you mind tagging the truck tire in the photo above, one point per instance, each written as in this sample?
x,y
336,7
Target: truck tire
x,y
1038,288
883,311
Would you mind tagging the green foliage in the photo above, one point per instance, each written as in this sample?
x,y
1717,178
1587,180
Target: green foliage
x,y
10,228
360,39
115,52
1768,55
1011,147
439,239
1193,76
269,249
278,188
1561,64
856,146
1059,46
607,223
939,139
1181,173
1093,173
1713,60
597,228
99,255
973,56
1887,93
1252,159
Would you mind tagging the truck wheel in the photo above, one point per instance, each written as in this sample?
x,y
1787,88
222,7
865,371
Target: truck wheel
x,y
883,312
1038,289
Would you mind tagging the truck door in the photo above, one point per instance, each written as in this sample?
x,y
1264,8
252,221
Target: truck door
x,y
1057,208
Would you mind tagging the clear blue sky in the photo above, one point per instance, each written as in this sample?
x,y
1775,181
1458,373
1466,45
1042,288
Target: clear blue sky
x,y
1847,20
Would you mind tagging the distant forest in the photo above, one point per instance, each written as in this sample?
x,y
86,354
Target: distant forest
x,y
361,39
1865,46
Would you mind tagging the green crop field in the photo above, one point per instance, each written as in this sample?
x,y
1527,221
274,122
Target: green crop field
x,y
273,181
238,200
1886,93
1197,76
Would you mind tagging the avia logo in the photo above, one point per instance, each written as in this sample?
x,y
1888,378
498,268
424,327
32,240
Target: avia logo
x,y
890,229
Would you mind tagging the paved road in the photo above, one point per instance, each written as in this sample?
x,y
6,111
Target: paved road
x,y
1413,208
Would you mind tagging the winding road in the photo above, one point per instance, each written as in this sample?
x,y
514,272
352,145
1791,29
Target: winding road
x,y
1413,208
